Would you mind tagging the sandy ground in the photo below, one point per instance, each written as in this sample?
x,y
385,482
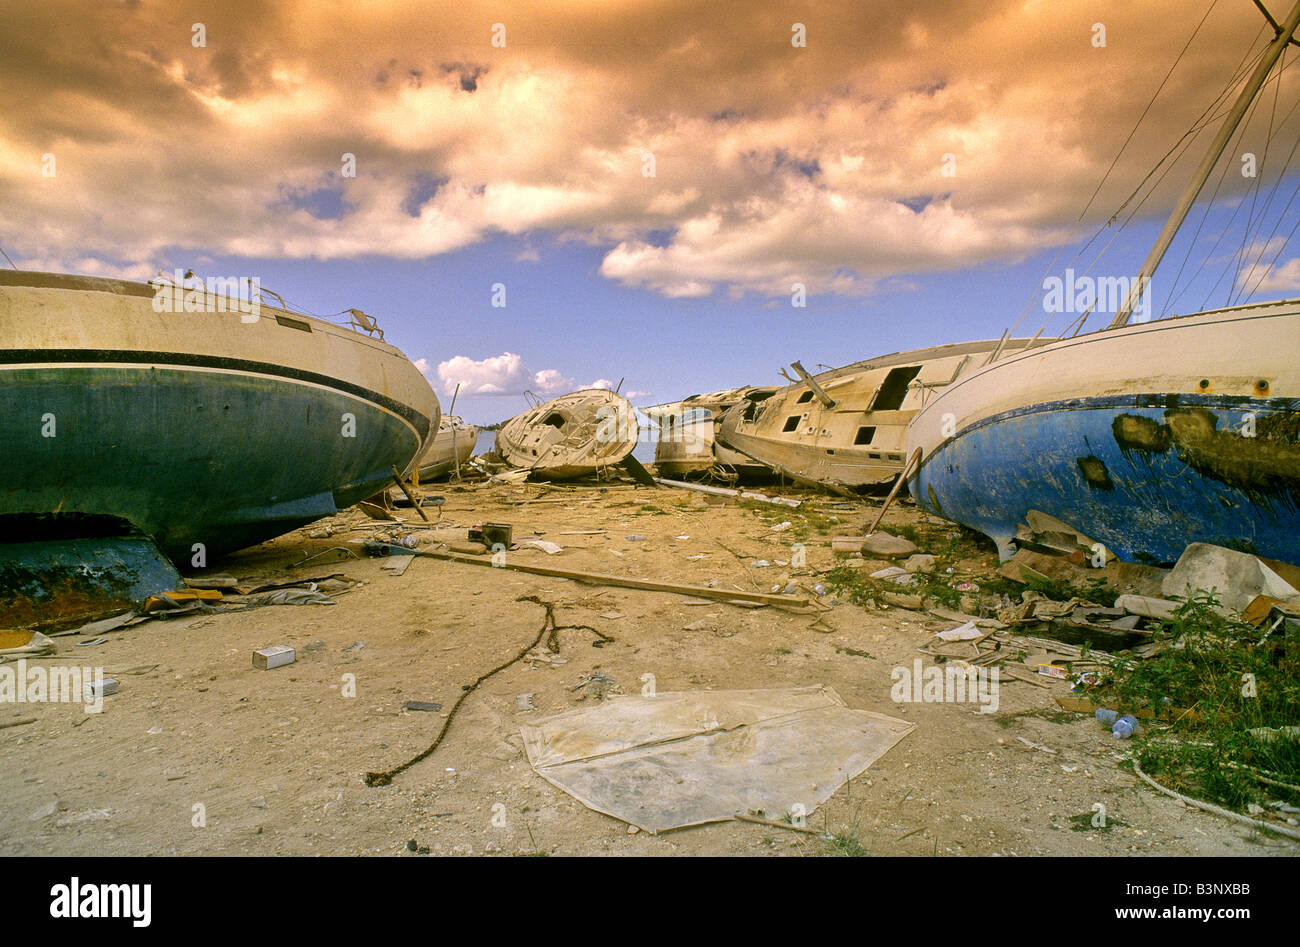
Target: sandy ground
x,y
200,753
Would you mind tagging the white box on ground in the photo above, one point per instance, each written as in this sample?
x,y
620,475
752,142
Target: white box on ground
x,y
274,657
98,689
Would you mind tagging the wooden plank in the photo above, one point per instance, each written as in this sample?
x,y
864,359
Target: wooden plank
x,y
626,582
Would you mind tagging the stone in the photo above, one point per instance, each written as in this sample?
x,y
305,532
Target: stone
x,y
887,546
921,562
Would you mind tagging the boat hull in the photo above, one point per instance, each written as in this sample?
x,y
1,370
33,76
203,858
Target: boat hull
x,y
854,445
575,435
1145,439
450,447
204,432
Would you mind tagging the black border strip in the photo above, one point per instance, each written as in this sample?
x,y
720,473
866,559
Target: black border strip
x,y
119,357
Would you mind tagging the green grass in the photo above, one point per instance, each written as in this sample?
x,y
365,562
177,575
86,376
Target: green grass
x,y
849,583
805,522
842,845
854,652
1083,823
1204,668
1098,591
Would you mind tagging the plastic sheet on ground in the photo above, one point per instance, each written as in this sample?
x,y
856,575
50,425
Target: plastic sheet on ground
x,y
687,758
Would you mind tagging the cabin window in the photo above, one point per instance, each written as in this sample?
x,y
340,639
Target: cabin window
x,y
791,424
865,434
754,406
894,390
554,419
805,397
294,323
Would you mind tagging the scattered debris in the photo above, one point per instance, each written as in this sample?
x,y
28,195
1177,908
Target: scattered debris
x,y
273,657
1235,577
421,705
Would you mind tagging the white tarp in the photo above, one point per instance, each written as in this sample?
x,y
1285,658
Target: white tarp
x,y
686,758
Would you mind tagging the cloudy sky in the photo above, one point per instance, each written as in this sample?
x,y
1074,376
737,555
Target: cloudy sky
x,y
679,196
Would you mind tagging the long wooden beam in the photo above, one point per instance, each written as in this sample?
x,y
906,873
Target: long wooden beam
x,y
602,578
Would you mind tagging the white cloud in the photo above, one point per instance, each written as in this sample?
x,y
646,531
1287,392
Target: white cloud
x,y
823,166
549,381
503,374
499,375
1260,277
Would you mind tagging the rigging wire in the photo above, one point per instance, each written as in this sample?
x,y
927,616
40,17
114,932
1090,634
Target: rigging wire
x,y
1259,180
1202,121
1207,206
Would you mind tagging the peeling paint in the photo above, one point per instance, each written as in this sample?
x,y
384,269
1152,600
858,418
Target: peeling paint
x,y
1095,473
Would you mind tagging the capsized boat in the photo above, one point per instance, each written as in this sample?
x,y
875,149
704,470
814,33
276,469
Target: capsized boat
x,y
1146,437
687,435
844,428
571,436
207,429
451,447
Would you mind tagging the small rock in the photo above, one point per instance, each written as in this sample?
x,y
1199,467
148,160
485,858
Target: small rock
x,y
259,803
632,830
44,812
886,546
921,562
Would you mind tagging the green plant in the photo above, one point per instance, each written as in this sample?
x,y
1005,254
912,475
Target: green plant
x,y
842,845
1217,667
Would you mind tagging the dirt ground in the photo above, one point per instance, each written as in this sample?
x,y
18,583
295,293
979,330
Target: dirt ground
x,y
200,753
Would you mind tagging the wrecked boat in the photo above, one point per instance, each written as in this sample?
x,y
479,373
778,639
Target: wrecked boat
x,y
571,436
1147,436
844,429
448,450
207,429
688,443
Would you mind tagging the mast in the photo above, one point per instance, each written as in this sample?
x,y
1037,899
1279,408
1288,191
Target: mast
x,y
1193,189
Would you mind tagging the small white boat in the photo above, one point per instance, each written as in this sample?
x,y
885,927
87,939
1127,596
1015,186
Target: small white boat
x,y
449,449
688,438
571,436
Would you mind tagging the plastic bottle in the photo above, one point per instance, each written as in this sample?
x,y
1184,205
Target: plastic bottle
x,y
1108,717
1125,727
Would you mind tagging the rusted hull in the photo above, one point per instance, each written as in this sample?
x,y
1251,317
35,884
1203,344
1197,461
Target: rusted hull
x,y
1146,438
1143,475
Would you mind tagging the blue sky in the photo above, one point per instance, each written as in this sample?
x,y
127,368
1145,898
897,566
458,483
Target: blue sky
x,y
561,313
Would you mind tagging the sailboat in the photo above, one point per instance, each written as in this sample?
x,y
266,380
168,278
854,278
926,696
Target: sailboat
x,y
1143,436
688,442
844,429
448,450
571,436
204,428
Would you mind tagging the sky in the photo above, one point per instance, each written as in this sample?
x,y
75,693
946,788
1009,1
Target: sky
x,y
670,196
